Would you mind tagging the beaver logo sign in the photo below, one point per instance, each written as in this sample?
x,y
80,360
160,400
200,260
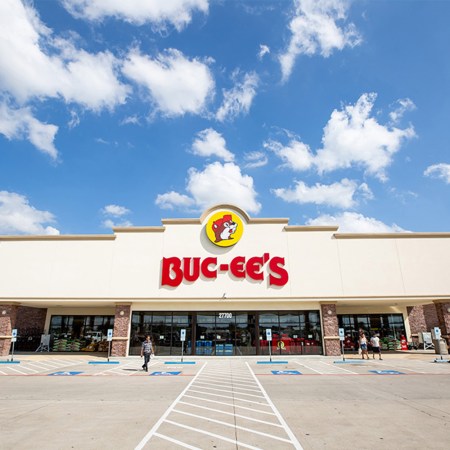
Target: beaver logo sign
x,y
224,228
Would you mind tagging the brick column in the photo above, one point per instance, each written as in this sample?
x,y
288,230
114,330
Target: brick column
x,y
443,315
8,316
121,339
421,318
330,329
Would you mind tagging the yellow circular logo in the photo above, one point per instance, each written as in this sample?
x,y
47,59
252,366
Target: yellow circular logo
x,y
224,228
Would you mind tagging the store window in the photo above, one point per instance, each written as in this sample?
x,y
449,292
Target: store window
x,y
390,327
293,333
165,330
79,333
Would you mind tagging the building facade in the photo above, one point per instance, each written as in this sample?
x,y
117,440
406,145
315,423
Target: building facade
x,y
224,279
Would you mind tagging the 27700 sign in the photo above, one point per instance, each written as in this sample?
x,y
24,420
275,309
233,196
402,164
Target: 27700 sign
x,y
225,315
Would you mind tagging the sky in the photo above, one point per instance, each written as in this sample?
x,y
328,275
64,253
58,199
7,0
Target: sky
x,y
325,112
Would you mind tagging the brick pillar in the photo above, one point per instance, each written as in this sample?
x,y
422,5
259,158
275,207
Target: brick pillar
x,y
121,339
443,315
330,329
421,318
8,316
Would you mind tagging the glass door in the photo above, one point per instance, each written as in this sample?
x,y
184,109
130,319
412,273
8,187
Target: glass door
x,y
245,334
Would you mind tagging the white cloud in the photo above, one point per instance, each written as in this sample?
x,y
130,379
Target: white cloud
x,y
403,105
34,64
177,85
263,50
441,171
172,199
17,216
340,194
115,210
157,12
315,28
352,137
296,155
211,143
351,222
255,160
108,223
74,120
217,183
20,124
130,120
239,99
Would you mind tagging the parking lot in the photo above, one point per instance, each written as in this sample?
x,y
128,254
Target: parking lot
x,y
81,401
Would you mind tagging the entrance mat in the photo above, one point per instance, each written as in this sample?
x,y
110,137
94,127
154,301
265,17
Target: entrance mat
x,y
179,362
9,362
103,362
271,362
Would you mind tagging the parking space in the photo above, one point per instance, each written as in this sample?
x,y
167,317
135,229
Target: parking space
x,y
225,403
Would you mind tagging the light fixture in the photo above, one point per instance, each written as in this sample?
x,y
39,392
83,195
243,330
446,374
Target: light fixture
x,y
122,313
4,312
330,312
448,310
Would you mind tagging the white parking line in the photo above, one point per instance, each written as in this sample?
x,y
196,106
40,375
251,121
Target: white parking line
x,y
227,385
174,441
229,391
15,370
149,435
289,432
338,368
232,425
217,436
231,404
230,397
265,422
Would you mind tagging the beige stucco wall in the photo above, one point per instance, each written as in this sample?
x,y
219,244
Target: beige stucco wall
x,y
322,265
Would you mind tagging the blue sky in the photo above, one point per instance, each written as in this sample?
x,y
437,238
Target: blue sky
x,y
118,113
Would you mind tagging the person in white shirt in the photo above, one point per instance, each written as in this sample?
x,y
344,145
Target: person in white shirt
x,y
375,343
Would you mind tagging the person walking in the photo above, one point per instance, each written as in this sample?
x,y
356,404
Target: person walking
x,y
363,344
375,343
146,352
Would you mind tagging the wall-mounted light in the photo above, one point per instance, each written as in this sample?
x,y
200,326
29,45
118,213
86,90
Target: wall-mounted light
x,y
448,310
122,313
4,312
330,312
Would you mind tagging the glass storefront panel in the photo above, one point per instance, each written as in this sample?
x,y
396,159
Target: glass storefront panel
x,y
229,333
79,333
390,327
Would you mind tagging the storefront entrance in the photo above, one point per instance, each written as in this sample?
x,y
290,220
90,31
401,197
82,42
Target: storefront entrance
x,y
389,327
228,333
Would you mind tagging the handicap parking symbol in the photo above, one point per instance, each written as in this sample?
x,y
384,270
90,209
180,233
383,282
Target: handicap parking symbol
x,y
386,372
63,374
286,372
164,374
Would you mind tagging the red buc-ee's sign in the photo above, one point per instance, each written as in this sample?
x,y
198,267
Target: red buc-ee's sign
x,y
175,270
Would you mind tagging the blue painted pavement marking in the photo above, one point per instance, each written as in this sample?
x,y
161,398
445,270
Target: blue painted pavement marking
x,y
103,362
271,362
179,362
164,374
286,372
350,361
9,362
63,374
386,372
